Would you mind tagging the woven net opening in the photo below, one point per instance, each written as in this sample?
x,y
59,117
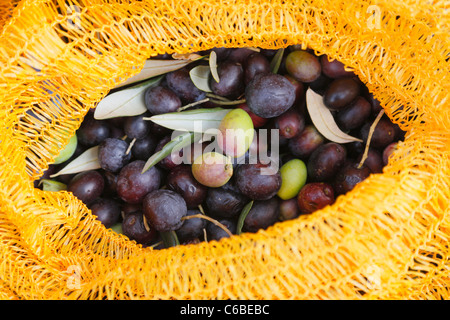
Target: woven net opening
x,y
386,239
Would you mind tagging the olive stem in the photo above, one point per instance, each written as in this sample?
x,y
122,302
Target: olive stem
x,y
215,96
130,146
192,104
369,137
241,96
156,244
228,103
144,219
217,223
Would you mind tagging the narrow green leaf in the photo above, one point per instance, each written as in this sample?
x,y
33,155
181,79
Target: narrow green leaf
x,y
193,56
169,238
154,67
242,217
174,145
68,150
254,49
198,120
213,65
52,185
88,160
200,77
126,102
276,61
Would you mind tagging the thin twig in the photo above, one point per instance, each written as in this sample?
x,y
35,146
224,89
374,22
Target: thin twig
x,y
228,103
215,96
369,138
146,226
217,223
155,244
192,104
130,146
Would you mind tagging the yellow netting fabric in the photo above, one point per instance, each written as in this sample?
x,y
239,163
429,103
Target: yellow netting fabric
x,y
387,239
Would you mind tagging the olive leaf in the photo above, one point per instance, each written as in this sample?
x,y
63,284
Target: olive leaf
x,y
213,65
52,185
276,61
186,56
86,161
174,145
126,102
169,238
242,217
198,120
154,67
200,77
323,119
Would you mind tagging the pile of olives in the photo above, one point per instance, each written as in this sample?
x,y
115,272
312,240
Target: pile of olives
x,y
171,198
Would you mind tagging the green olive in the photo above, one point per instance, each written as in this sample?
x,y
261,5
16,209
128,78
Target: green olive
x,y
52,185
293,178
68,151
117,227
236,133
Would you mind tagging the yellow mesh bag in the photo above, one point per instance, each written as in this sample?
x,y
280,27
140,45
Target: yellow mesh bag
x,y
386,239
